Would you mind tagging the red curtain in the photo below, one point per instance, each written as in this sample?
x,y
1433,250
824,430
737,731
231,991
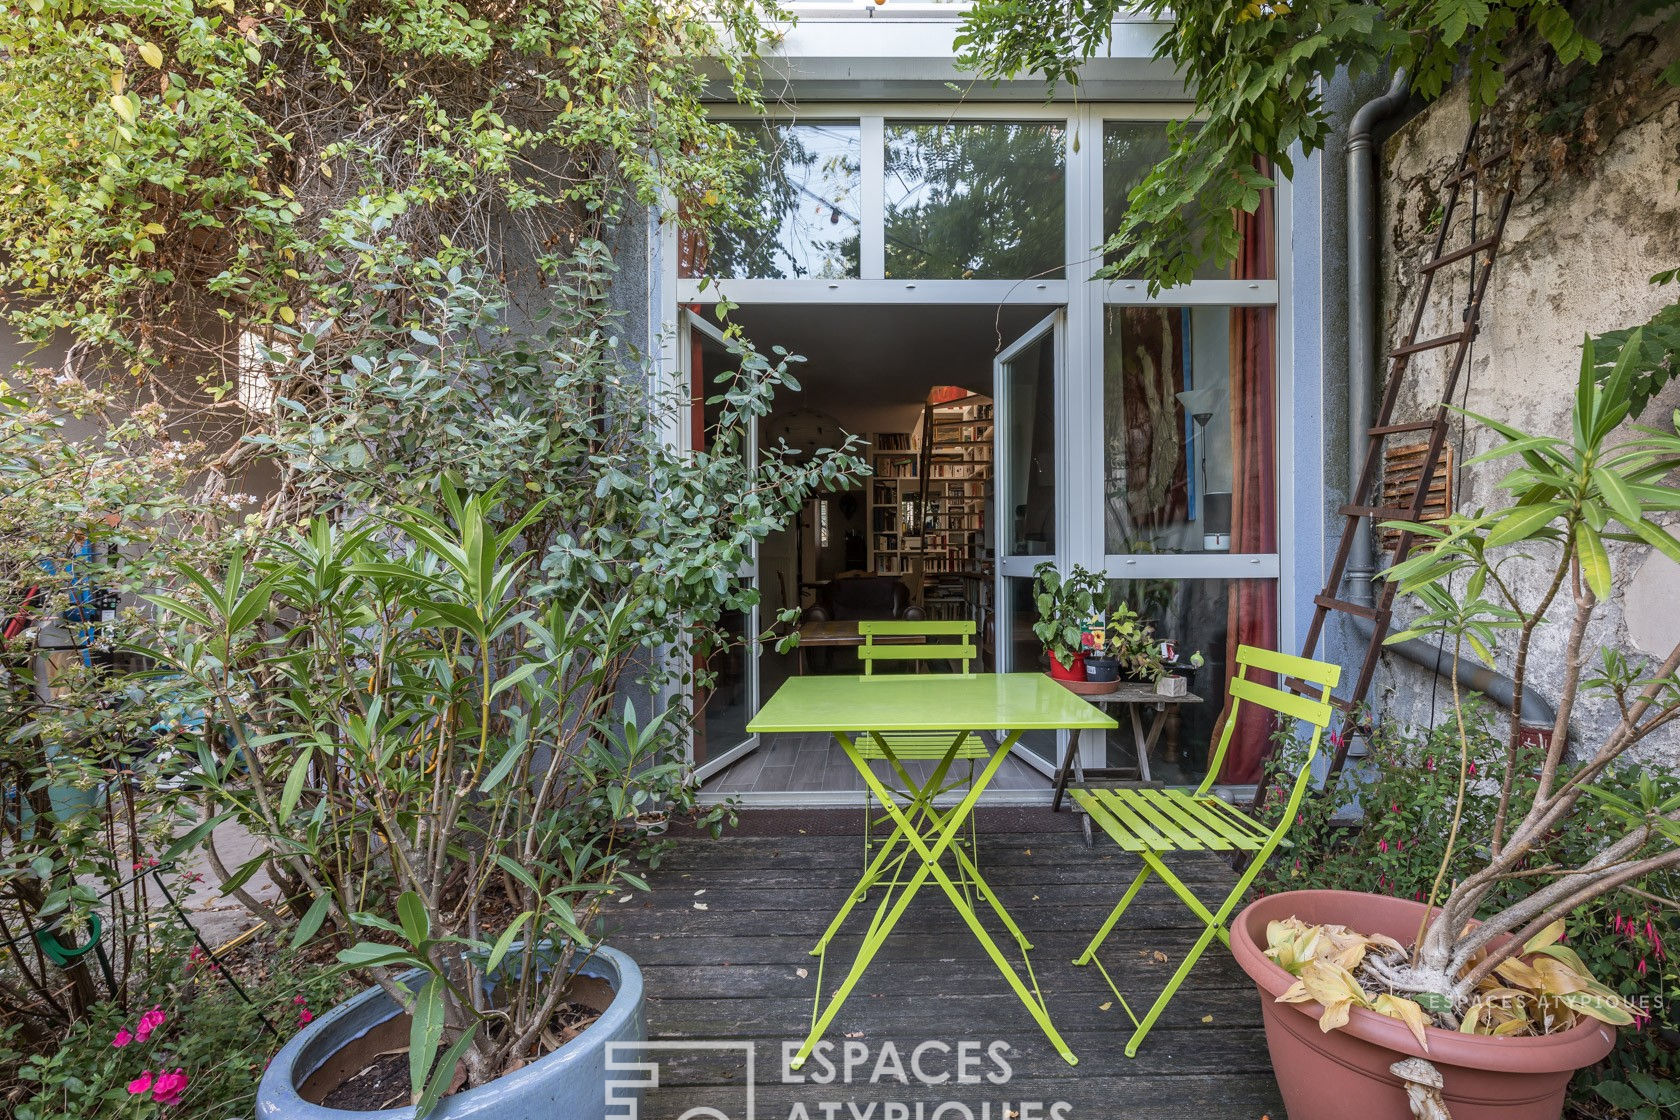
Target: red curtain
x,y
1252,604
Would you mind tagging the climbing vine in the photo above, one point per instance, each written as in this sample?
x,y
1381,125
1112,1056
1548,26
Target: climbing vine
x,y
176,176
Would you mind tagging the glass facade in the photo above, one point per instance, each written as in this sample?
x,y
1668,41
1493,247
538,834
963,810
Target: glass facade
x,y
1130,150
1140,436
1198,616
974,201
808,191
1182,469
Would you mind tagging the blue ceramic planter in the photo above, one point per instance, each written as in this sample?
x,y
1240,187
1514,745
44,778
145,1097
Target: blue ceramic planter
x,y
570,1082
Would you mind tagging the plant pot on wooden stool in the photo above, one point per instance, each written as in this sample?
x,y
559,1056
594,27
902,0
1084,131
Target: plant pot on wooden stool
x,y
1072,671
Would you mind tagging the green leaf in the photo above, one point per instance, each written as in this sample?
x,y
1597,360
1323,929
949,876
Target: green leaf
x,y
312,919
1523,524
295,778
370,954
1618,495
444,1073
504,943
1595,561
425,1031
1432,1001
153,56
416,923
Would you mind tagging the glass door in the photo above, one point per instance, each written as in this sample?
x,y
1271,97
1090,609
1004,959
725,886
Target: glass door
x,y
729,694
1024,380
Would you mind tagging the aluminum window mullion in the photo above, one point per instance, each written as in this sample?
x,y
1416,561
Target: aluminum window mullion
x,y
872,212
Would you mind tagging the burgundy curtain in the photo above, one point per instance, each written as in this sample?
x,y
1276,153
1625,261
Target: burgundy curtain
x,y
1252,603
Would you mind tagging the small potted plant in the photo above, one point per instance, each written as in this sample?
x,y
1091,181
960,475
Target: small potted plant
x,y
1065,604
1132,644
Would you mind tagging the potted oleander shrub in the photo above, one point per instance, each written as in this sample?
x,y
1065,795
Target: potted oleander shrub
x,y
1066,605
1471,977
427,767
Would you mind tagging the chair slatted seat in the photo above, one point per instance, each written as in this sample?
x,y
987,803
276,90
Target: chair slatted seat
x,y
1154,823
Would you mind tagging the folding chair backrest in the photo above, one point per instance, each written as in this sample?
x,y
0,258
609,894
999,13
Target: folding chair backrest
x,y
957,643
1314,711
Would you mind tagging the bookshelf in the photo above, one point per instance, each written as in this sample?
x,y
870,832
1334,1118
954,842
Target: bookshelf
x,y
892,497
934,527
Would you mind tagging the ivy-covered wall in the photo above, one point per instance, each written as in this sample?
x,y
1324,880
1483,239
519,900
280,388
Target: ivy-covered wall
x,y
1596,215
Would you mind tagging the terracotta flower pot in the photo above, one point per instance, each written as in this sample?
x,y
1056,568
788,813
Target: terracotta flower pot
x,y
1334,1075
1070,672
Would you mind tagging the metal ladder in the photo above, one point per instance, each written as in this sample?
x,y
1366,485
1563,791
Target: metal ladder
x,y
1365,503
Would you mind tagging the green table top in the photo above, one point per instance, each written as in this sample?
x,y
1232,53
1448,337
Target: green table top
x,y
926,702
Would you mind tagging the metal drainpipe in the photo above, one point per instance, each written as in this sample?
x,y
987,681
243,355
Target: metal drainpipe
x,y
1538,718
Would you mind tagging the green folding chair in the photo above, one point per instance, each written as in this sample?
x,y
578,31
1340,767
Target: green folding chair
x,y
1155,822
918,643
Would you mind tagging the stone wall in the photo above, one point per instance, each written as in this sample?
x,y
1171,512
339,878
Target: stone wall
x,y
1595,217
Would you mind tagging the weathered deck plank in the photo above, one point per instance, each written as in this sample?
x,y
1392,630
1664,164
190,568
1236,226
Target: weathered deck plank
x,y
731,973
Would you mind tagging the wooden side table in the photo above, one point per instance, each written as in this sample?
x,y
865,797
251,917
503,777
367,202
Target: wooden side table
x,y
1135,698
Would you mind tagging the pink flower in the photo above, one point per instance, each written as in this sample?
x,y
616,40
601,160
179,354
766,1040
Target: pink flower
x,y
169,1087
1472,770
123,1038
299,1001
1429,763
1382,845
150,1022
305,1016
1396,807
1640,967
140,1084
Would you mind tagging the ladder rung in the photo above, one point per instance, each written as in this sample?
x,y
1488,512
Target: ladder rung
x,y
1471,169
1429,344
1384,513
1445,259
1330,603
1305,687
1395,429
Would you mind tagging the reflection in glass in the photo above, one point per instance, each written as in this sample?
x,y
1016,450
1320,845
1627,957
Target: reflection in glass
x,y
727,703
1209,617
1029,380
974,201
1130,150
1188,430
808,186
1026,655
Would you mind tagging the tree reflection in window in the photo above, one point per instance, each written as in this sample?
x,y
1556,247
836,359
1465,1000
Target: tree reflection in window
x,y
806,189
974,200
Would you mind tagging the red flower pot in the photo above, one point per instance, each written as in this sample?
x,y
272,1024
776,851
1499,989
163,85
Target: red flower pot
x,y
1322,1074
1071,672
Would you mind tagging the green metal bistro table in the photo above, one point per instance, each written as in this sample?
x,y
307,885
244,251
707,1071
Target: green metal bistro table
x,y
959,703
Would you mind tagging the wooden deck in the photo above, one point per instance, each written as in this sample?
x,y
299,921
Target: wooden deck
x,y
723,943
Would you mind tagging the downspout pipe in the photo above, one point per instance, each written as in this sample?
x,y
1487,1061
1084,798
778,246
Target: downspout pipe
x,y
1537,716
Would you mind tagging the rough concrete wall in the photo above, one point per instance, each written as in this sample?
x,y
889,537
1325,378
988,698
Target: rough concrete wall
x,y
1579,250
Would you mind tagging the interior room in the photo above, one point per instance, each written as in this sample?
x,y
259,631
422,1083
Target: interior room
x,y
869,552
919,538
